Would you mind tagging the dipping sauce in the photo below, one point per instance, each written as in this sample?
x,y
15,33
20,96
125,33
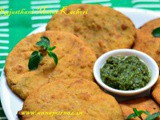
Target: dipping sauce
x,y
125,73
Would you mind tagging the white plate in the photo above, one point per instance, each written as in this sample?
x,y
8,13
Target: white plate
x,y
12,104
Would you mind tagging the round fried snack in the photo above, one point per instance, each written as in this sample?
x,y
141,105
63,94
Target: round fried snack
x,y
75,60
102,28
140,104
156,91
72,99
146,42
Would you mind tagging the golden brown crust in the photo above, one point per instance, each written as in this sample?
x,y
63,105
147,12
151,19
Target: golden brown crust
x,y
75,60
140,104
150,26
76,95
156,91
103,28
146,42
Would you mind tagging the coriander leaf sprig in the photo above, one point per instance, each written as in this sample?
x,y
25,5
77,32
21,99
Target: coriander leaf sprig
x,y
37,56
138,113
153,116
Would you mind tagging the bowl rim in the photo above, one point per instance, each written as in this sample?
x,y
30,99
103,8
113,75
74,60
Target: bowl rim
x,y
123,92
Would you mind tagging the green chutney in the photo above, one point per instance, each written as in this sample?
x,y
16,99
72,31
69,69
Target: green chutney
x,y
125,73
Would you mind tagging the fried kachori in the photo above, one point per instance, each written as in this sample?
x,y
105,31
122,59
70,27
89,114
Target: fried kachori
x,y
156,91
102,28
145,104
146,42
75,60
71,96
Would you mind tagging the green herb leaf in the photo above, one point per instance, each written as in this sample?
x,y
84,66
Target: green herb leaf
x,y
156,32
34,60
51,48
37,56
147,112
54,56
153,116
137,112
133,115
44,42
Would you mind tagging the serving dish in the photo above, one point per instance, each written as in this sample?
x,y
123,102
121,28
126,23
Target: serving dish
x,y
151,64
12,104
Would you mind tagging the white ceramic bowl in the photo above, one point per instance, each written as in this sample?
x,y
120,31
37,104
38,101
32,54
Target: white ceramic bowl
x,y
126,52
